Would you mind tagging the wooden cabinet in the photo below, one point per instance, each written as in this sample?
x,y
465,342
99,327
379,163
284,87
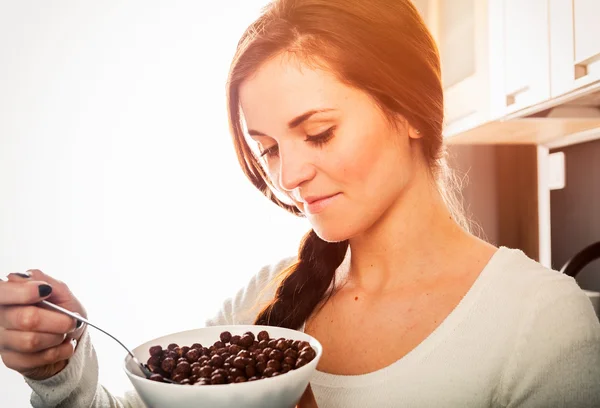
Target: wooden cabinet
x,y
519,55
575,44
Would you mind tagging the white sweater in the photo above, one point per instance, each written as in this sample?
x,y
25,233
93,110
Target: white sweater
x,y
523,336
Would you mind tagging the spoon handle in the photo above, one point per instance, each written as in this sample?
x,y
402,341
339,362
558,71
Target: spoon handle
x,y
86,321
75,316
145,371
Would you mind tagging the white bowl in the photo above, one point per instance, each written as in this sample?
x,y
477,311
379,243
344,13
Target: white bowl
x,y
283,391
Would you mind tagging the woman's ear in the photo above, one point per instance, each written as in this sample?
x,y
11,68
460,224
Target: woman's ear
x,y
402,123
414,133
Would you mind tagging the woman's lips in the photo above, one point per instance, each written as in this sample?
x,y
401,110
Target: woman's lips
x,y
316,206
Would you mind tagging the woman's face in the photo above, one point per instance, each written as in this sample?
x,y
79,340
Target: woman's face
x,y
327,146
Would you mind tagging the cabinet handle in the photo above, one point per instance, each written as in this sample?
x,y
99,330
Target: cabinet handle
x,y
581,67
581,70
511,98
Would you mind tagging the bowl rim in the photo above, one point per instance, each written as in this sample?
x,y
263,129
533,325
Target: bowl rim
x,y
229,327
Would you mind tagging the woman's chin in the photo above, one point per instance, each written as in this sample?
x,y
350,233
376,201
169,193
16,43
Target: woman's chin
x,y
331,233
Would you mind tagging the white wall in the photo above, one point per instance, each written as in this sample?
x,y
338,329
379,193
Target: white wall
x,y
117,174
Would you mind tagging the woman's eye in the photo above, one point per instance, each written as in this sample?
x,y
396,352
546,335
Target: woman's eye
x,y
318,140
321,138
272,151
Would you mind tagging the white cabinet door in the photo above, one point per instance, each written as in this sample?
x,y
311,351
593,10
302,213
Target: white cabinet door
x,y
460,29
519,54
575,44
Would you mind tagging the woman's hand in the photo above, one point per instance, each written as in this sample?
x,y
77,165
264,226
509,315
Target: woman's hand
x,y
307,400
35,341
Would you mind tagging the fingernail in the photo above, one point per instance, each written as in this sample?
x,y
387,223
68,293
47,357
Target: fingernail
x,y
25,275
79,324
45,290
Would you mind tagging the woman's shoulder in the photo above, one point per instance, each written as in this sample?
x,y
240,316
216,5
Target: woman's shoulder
x,y
244,306
552,330
516,271
541,296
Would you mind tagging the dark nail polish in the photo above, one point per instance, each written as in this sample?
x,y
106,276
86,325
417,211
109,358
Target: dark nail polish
x,y
23,275
79,324
45,290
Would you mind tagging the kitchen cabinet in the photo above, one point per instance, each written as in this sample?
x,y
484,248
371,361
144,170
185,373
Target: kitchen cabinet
x,y
495,57
460,28
575,44
513,71
519,55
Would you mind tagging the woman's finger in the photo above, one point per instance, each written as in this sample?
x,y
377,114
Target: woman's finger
x,y
28,342
18,276
60,293
23,293
25,362
36,319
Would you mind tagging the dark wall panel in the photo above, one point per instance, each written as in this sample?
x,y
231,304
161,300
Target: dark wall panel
x,y
576,210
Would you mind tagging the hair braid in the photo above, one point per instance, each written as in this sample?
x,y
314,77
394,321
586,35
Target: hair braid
x,y
305,283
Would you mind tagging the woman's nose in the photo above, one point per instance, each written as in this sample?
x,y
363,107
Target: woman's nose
x,y
295,168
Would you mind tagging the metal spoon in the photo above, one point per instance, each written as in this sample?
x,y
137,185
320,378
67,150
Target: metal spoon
x,y
146,372
143,367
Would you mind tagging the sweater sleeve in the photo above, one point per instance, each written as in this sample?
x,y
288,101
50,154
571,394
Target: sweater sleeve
x,y
556,360
77,385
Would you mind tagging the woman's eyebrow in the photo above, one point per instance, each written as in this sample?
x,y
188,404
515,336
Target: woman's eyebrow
x,y
297,121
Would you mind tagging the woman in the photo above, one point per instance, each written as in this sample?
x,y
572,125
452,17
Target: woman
x,y
343,110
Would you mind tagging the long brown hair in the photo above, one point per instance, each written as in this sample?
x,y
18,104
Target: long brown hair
x,y
379,46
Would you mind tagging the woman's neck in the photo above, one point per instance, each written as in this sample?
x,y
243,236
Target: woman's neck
x,y
407,243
